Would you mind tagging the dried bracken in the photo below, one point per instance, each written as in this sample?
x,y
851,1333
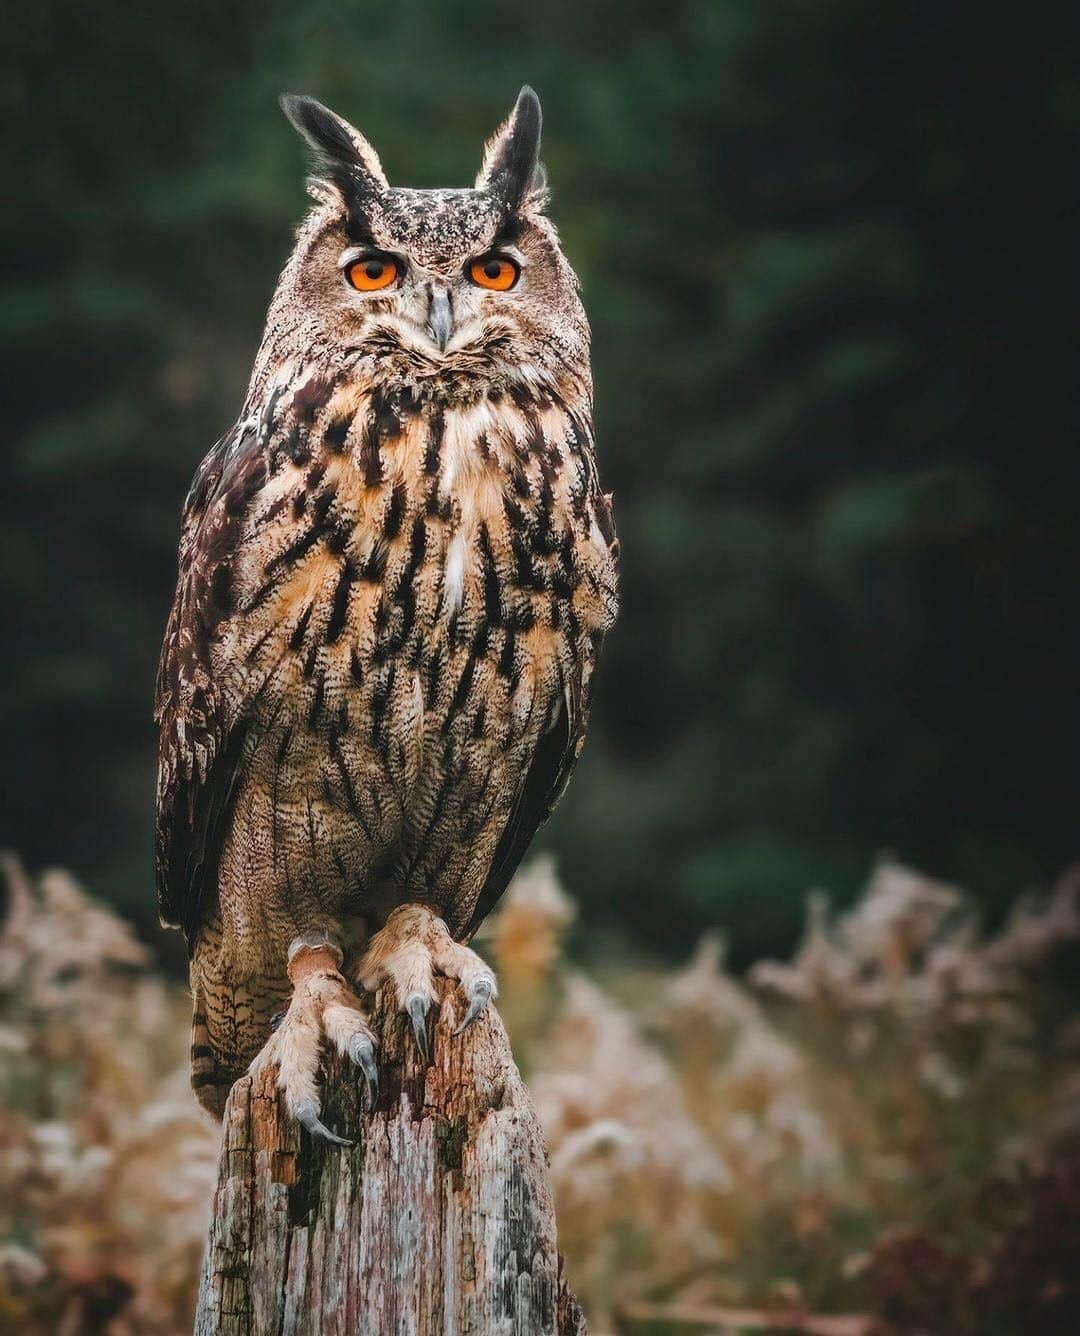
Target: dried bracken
x,y
107,1164
740,1147
882,1135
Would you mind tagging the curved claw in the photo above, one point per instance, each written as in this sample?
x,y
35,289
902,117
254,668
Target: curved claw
x,y
362,1052
417,1007
480,994
307,1114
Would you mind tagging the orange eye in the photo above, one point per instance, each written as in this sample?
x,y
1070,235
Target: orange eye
x,y
372,273
495,272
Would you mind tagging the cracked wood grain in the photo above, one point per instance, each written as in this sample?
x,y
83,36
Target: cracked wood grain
x,y
438,1219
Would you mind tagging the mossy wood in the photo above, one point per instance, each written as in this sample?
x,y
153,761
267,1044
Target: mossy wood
x,y
438,1219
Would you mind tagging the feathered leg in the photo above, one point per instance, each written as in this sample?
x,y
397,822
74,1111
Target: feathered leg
x,y
323,1007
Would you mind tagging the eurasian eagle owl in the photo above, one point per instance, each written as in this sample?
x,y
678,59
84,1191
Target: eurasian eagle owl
x,y
394,575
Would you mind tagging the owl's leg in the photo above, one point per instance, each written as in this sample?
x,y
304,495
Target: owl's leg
x,y
413,946
322,1007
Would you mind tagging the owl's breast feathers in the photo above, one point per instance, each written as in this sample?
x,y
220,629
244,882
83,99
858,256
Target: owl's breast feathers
x,y
396,602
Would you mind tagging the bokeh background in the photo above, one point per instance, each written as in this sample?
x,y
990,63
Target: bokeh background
x,y
826,249
823,247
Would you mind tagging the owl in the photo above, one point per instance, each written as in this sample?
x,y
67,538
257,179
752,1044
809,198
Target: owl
x,y
395,573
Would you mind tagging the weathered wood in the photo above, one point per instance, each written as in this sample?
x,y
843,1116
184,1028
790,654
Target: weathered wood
x,y
438,1220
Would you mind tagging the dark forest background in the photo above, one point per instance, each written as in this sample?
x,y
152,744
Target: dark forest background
x,y
825,250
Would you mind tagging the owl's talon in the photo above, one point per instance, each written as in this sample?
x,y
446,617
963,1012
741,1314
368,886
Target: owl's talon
x,y
362,1053
480,993
307,1114
417,1007
408,952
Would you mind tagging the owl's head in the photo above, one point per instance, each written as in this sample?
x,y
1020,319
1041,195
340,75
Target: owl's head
x,y
454,290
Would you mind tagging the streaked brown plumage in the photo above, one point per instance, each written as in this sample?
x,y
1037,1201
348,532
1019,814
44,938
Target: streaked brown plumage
x,y
395,572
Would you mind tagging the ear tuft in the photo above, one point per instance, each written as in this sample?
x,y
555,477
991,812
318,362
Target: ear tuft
x,y
342,154
512,168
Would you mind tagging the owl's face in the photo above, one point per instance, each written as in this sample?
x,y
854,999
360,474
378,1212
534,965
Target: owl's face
x,y
453,290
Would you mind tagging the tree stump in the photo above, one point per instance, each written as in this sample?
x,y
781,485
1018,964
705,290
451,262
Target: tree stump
x,y
438,1219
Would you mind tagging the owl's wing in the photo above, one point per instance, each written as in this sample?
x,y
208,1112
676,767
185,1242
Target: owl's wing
x,y
547,777
559,748
201,733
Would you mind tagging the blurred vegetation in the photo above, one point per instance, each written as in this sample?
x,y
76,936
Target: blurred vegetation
x,y
879,1137
822,246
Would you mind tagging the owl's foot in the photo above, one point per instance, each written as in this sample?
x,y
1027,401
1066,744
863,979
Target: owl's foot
x,y
323,1008
413,946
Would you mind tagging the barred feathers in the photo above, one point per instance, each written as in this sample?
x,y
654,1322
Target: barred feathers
x,y
391,602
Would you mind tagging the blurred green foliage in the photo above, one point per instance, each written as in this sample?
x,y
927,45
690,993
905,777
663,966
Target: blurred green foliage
x,y
822,247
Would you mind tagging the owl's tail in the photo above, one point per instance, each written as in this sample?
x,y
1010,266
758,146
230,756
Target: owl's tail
x,y
211,1076
231,1021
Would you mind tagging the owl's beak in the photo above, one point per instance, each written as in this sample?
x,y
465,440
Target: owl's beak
x,y
440,324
